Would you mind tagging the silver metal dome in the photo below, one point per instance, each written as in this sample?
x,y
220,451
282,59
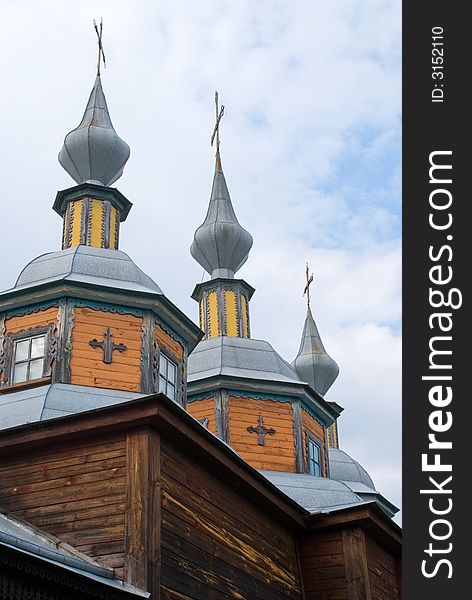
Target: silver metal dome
x,y
221,246
344,468
313,364
93,152
86,264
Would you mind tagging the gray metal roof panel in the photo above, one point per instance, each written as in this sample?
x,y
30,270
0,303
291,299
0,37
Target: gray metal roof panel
x,y
238,357
23,538
313,493
86,264
56,400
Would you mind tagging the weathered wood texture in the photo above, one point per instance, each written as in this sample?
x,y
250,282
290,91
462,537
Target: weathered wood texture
x,y
76,492
143,503
215,543
42,318
311,425
169,344
383,572
322,566
278,453
204,408
87,366
355,563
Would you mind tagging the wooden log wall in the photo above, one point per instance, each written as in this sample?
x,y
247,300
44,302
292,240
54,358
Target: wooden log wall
x,y
383,572
216,544
345,563
76,492
204,408
322,566
278,453
87,366
169,344
41,318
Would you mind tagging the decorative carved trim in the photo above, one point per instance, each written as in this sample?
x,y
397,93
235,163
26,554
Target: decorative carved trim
x,y
106,218
222,415
50,352
148,363
2,345
28,310
8,345
298,434
111,308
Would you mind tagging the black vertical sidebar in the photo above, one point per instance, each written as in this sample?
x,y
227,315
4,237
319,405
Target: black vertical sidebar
x,y
437,344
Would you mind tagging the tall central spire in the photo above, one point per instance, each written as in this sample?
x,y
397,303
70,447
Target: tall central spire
x,y
221,246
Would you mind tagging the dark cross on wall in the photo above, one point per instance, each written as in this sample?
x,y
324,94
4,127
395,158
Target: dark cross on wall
x,y
108,346
261,431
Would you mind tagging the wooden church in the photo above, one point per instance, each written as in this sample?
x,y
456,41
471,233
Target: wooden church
x,y
143,456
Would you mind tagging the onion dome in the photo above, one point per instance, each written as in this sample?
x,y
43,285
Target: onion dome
x,y
93,152
221,246
313,364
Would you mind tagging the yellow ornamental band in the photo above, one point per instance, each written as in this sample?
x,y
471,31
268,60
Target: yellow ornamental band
x,y
231,313
214,329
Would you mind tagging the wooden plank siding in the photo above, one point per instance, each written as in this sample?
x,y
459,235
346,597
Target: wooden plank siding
x,y
215,543
41,318
76,493
311,425
169,344
204,408
278,453
322,566
382,570
87,366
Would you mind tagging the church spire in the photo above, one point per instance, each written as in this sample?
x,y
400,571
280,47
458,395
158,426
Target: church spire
x,y
313,364
94,156
221,246
93,152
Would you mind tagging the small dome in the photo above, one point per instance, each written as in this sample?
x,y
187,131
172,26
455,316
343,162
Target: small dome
x,y
313,364
86,264
344,468
221,246
238,357
93,152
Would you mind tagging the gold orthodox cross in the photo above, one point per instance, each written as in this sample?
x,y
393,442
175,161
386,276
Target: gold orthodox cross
x,y
216,130
309,281
101,53
261,431
108,346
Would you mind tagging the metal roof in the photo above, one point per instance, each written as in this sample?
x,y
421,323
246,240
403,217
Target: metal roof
x,y
313,493
55,400
238,357
345,468
26,539
93,152
221,245
313,364
87,264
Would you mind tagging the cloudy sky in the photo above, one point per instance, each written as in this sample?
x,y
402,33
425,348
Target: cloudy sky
x,y
310,146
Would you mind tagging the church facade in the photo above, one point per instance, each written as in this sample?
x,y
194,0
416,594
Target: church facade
x,y
142,455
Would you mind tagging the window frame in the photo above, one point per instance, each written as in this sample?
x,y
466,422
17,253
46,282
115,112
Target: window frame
x,y
9,350
160,377
312,439
29,360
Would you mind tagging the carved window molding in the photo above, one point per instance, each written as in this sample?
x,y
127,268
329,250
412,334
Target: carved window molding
x,y
7,358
